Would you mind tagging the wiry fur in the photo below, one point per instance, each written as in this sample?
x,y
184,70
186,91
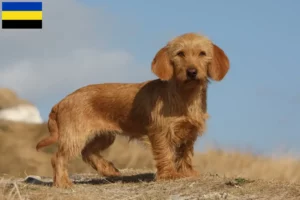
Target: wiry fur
x,y
170,111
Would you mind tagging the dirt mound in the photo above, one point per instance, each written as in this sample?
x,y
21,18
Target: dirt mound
x,y
17,109
140,185
9,98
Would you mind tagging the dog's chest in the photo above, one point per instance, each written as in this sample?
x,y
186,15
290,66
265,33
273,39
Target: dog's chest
x,y
186,128
191,122
194,120
180,116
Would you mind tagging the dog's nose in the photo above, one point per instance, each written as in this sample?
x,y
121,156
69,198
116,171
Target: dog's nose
x,y
191,72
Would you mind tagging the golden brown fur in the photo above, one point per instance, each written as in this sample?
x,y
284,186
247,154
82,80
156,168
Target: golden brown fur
x,y
170,111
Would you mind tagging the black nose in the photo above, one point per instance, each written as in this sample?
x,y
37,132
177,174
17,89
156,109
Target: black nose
x,y
191,72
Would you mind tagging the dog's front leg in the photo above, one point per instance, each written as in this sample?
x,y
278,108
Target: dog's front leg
x,y
184,154
184,160
164,155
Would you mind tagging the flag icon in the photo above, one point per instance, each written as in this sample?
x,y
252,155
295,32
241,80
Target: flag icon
x,y
22,15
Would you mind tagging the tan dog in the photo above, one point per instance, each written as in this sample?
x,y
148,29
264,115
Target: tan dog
x,y
171,111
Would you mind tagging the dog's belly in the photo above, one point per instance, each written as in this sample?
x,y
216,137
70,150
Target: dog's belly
x,y
134,128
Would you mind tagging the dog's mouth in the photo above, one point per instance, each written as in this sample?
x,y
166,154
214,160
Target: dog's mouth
x,y
189,79
192,81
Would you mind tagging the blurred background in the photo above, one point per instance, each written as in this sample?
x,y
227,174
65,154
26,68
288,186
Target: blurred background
x,y
254,110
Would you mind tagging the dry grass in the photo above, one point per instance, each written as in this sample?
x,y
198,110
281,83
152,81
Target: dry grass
x,y
249,166
278,178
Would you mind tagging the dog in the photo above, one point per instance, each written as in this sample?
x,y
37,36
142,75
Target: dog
x,y
170,111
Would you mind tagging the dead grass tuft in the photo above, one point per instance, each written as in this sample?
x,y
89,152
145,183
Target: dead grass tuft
x,y
248,166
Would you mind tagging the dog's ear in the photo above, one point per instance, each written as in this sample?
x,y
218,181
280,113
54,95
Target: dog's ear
x,y
219,65
161,65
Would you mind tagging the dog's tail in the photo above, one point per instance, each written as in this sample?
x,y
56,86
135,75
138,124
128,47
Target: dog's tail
x,y
53,130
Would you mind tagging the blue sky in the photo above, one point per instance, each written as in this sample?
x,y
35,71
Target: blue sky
x,y
257,105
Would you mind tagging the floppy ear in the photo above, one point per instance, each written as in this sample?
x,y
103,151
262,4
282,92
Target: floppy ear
x,y
219,65
161,65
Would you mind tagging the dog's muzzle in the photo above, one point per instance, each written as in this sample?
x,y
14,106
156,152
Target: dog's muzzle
x,y
191,73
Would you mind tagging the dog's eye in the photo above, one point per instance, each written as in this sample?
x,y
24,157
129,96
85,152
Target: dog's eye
x,y
202,53
180,53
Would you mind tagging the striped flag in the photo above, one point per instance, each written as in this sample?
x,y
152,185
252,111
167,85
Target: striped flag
x,y
22,15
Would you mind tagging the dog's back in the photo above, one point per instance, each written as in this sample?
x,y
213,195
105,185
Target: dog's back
x,y
112,107
92,108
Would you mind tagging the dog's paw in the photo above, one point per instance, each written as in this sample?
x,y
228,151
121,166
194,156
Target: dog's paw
x,y
191,173
169,176
63,184
111,173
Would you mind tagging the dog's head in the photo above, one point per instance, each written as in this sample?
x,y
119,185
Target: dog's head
x,y
190,58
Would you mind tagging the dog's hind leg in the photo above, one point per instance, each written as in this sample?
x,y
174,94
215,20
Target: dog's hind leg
x,y
91,154
68,148
60,173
